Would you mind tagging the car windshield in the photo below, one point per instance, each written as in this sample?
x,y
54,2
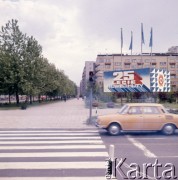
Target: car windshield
x,y
123,109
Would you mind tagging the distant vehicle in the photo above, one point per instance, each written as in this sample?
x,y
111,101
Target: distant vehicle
x,y
139,117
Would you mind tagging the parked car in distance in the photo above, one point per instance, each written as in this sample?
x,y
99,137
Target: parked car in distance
x,y
139,117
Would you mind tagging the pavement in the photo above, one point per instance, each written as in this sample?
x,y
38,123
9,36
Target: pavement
x,y
71,114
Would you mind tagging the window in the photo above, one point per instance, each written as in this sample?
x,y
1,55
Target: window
x,y
162,63
147,60
134,60
127,65
135,110
172,65
101,60
107,60
150,110
117,63
173,75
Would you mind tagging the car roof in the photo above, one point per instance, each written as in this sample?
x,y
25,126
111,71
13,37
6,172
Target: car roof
x,y
144,104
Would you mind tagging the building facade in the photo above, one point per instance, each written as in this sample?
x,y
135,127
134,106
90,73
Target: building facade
x,y
173,49
111,62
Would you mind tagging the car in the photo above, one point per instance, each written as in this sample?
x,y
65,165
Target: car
x,y
139,117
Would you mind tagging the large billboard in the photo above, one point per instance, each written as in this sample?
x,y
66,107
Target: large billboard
x,y
137,80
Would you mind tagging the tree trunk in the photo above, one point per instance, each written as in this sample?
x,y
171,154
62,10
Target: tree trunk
x,y
30,99
9,98
39,98
17,96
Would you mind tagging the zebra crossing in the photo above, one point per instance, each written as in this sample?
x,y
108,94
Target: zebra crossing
x,y
46,154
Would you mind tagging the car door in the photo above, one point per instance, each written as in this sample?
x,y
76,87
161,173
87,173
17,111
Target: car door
x,y
133,119
152,118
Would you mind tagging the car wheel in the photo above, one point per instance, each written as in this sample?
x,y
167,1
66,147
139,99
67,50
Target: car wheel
x,y
114,129
168,129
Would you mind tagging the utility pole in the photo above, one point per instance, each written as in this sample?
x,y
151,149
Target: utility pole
x,y
91,82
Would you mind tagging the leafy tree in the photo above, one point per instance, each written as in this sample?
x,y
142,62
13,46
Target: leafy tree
x,y
12,42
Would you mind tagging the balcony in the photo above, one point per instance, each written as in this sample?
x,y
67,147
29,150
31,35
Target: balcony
x,y
107,63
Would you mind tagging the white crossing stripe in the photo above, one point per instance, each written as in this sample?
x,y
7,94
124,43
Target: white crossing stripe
x,y
80,143
53,165
73,137
54,178
87,141
49,131
49,134
56,154
100,146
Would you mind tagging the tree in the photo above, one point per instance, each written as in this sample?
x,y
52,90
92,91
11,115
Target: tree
x,y
12,42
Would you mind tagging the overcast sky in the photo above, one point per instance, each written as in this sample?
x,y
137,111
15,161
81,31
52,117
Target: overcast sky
x,y
74,31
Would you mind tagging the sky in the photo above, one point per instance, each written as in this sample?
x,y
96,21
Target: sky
x,y
74,31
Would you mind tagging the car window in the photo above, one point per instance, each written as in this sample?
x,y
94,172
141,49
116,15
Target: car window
x,y
123,109
150,110
135,110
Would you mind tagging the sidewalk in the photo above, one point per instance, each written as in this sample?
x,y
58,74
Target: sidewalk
x,y
59,115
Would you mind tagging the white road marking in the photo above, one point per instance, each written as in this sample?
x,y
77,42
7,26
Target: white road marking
x,y
48,131
54,178
56,154
54,147
167,156
53,142
49,134
72,137
53,165
141,147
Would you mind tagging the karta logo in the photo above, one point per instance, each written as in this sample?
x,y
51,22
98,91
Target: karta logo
x,y
127,78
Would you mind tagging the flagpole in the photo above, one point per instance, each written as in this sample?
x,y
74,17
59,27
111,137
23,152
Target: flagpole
x,y
151,44
121,46
131,43
142,41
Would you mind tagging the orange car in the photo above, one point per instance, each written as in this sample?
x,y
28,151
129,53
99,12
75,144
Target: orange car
x,y
139,117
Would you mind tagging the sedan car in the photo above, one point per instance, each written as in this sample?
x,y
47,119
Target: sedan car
x,y
139,117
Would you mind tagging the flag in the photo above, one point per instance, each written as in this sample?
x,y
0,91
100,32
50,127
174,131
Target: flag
x,y
131,42
151,38
143,41
121,39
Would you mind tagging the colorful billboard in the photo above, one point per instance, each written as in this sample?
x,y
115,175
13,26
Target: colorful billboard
x,y
137,80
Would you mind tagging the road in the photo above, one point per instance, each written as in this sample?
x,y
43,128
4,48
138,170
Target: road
x,y
142,149
54,141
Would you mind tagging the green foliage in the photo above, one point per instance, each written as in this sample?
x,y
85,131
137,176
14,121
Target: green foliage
x,y
23,69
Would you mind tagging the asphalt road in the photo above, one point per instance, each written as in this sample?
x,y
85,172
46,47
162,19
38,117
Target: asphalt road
x,y
54,141
157,152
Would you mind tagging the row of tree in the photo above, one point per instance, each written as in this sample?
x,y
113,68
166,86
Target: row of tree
x,y
24,70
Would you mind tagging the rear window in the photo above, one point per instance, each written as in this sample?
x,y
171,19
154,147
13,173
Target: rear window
x,y
150,110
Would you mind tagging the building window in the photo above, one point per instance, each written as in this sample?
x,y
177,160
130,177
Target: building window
x,y
107,66
162,63
101,60
133,66
147,60
127,65
107,60
134,60
172,65
117,63
173,75
147,65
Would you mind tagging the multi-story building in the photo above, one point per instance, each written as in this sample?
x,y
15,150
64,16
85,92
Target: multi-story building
x,y
89,66
111,62
173,49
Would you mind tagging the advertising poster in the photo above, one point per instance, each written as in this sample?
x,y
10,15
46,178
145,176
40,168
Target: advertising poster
x,y
137,80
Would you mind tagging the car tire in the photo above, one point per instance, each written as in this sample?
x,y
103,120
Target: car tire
x,y
114,129
168,129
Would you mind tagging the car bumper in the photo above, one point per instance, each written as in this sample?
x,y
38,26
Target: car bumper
x,y
100,126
